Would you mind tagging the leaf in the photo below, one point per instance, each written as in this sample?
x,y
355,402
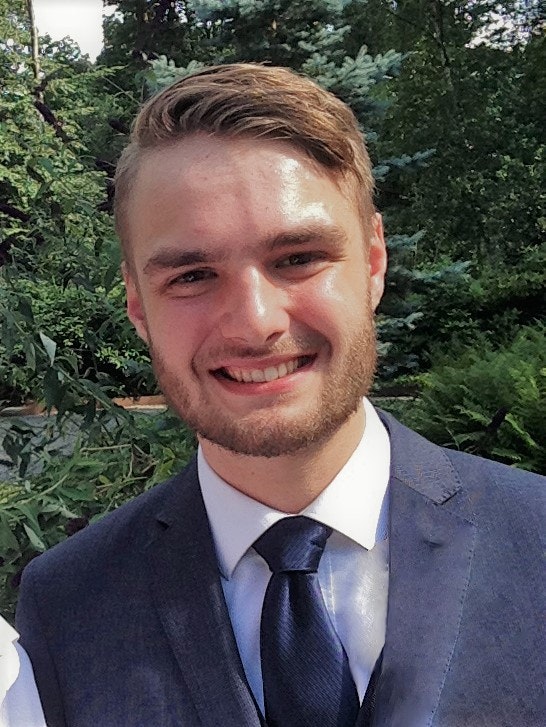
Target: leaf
x,y
25,309
525,436
49,345
8,541
46,164
53,390
35,539
30,353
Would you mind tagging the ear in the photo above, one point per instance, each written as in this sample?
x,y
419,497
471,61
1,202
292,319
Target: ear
x,y
135,311
377,254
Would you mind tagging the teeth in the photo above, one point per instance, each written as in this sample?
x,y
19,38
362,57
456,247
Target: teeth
x,y
271,373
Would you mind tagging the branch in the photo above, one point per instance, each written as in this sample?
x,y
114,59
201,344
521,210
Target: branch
x,y
41,87
45,111
13,212
497,420
119,125
35,50
438,20
50,118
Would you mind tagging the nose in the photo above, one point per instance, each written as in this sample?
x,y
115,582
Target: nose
x,y
254,309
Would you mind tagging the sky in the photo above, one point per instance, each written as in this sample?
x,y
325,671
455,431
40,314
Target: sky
x,y
80,19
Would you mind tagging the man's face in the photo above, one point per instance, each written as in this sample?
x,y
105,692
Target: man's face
x,y
253,284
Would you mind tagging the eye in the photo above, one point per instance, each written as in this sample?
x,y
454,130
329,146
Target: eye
x,y
298,259
192,277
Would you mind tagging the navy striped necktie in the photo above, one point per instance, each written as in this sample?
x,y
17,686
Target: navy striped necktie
x,y
305,670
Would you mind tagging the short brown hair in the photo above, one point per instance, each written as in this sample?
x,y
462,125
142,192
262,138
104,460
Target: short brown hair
x,y
253,101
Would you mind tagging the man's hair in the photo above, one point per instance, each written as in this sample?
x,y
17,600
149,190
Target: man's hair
x,y
244,100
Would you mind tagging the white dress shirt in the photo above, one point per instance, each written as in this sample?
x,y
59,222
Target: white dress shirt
x,y
353,571
19,702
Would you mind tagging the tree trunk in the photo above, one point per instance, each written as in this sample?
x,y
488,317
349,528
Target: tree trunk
x,y
35,51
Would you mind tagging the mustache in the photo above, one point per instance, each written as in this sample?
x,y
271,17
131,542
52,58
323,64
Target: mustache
x,y
294,346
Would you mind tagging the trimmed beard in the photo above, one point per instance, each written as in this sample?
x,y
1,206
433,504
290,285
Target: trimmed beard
x,y
259,434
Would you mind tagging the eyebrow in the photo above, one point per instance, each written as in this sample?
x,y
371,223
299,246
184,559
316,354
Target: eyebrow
x,y
170,258
330,235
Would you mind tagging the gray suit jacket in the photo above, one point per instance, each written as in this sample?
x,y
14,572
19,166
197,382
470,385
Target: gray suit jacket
x,y
126,622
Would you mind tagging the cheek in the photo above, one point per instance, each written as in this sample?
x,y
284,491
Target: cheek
x,y
334,303
177,328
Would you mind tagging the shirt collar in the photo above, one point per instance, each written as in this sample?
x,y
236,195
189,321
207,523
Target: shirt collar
x,y
354,503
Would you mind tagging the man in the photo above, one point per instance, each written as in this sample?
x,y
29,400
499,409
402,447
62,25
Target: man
x,y
19,701
315,564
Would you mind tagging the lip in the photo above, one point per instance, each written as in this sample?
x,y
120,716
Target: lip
x,y
277,386
249,364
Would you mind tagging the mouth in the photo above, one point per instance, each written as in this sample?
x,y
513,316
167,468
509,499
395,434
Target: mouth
x,y
266,374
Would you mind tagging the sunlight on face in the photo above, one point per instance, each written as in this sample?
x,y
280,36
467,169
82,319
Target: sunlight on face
x,y
255,289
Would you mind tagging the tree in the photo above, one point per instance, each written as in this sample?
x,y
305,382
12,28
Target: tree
x,y
59,279
142,30
478,197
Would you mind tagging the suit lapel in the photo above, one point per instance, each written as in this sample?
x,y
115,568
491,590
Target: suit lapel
x,y
431,547
189,599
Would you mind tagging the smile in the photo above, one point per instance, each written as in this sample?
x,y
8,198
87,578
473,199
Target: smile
x,y
260,375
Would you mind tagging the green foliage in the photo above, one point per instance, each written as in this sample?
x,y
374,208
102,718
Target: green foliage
x,y
144,30
454,130
90,330
488,401
59,259
113,460
479,198
282,32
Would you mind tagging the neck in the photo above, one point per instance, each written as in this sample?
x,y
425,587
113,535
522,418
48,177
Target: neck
x,y
288,483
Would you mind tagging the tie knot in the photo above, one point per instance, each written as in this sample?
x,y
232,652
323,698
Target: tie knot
x,y
293,544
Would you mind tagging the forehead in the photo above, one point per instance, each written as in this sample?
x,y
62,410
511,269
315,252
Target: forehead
x,y
198,157
200,153
222,189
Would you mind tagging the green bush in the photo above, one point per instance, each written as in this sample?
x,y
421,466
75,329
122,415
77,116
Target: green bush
x,y
488,401
114,459
89,322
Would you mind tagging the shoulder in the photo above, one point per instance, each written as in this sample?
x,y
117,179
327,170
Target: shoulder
x,y
473,485
500,506
476,470
409,446
120,535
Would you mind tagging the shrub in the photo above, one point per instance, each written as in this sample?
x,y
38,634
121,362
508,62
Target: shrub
x,y
88,322
488,401
119,456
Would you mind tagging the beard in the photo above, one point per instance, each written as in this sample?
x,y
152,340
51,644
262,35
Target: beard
x,y
268,431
